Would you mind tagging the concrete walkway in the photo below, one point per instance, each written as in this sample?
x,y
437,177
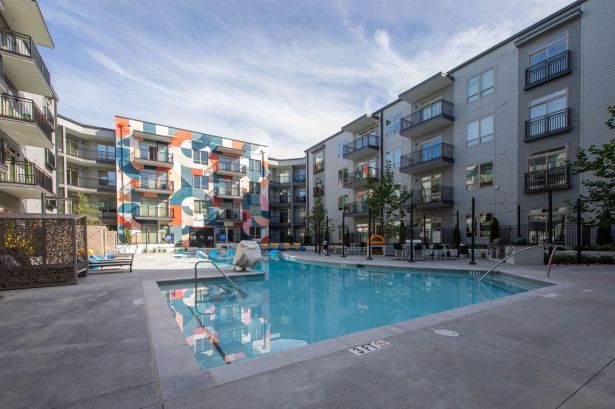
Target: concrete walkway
x,y
90,346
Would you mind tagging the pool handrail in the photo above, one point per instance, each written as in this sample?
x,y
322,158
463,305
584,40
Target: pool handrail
x,y
506,258
219,270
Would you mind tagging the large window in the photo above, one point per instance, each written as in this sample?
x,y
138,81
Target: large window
x,y
200,157
478,176
547,160
393,125
480,85
549,48
255,165
200,207
394,157
255,188
200,182
106,152
549,104
480,131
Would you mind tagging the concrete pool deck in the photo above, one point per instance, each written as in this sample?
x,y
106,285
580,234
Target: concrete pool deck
x,y
105,343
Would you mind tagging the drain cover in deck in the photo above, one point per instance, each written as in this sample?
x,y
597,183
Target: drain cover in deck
x,y
446,332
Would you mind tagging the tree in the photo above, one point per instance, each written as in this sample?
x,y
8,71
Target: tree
x,y
456,235
494,229
599,161
386,201
82,206
316,218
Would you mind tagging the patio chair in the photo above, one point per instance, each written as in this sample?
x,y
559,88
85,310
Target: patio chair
x,y
229,256
213,255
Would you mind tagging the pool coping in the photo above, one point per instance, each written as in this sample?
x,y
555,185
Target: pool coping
x,y
179,371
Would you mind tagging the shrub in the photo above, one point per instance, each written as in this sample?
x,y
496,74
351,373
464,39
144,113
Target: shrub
x,y
572,259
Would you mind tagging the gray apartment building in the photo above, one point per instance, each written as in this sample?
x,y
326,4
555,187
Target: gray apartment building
x,y
501,128
27,110
287,200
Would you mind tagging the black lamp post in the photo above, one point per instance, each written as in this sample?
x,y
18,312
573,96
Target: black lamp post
x,y
344,230
472,262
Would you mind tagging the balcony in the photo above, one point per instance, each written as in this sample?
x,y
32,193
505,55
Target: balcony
x,y
152,213
23,64
359,178
25,180
89,185
428,119
548,179
228,191
545,71
441,196
547,125
279,199
229,215
89,156
299,179
147,157
361,147
50,160
280,180
24,122
426,159
279,221
231,168
318,167
299,199
318,191
154,186
357,209
108,213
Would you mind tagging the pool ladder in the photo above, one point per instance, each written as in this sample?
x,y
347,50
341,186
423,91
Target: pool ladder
x,y
196,265
519,251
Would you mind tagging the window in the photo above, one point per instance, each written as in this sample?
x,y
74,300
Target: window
x,y
200,207
255,232
480,85
393,125
255,166
255,188
479,176
550,48
547,160
482,224
200,157
396,157
480,131
340,148
342,176
106,152
549,104
200,182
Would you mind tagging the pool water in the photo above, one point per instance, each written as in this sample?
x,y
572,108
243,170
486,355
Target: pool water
x,y
297,303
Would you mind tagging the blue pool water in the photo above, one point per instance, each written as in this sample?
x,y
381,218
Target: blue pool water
x,y
296,303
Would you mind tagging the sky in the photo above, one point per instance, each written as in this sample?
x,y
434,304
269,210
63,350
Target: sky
x,y
285,74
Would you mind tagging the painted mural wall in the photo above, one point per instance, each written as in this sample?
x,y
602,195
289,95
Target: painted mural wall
x,y
157,197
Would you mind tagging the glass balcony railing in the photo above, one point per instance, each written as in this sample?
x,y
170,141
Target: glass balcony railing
x,y
146,154
91,154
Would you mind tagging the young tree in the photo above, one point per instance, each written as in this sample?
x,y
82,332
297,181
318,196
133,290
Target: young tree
x,y
600,161
83,206
317,218
386,201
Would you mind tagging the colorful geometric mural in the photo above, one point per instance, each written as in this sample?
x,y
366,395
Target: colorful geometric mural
x,y
189,188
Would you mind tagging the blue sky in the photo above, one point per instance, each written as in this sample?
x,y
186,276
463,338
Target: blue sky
x,y
283,73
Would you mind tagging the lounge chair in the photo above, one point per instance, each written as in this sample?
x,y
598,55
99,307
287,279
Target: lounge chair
x,y
213,255
99,264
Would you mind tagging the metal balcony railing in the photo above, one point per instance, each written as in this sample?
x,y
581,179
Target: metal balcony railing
x,y
441,151
233,166
146,154
90,154
547,70
548,179
26,173
22,45
550,124
279,199
229,214
228,190
25,110
365,141
153,212
361,175
300,199
50,159
441,108
357,207
154,184
280,179
440,194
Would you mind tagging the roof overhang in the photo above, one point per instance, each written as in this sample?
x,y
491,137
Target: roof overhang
x,y
360,124
427,88
152,136
24,16
227,150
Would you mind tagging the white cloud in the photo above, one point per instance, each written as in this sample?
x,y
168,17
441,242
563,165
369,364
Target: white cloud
x,y
272,76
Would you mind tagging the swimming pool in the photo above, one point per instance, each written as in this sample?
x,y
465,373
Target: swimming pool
x,y
297,303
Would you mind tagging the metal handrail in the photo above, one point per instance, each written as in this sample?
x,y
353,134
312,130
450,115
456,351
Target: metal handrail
x,y
551,260
219,270
504,259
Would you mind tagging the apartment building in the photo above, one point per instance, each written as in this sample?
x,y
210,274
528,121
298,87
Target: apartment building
x,y
287,200
27,110
500,128
86,164
182,187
